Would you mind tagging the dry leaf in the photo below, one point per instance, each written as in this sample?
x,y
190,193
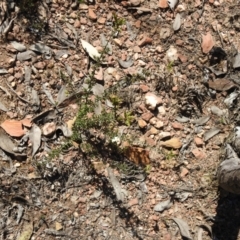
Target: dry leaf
x,y
207,42
58,226
172,143
221,84
139,156
163,3
177,22
26,232
27,122
184,228
90,49
160,207
13,127
35,138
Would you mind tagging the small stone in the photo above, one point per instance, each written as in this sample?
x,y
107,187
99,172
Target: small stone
x,y
142,123
49,128
198,153
182,58
83,6
135,3
91,14
144,88
58,226
152,101
159,49
159,124
40,65
144,41
18,75
77,24
184,172
163,3
198,141
10,79
133,202
147,116
153,131
137,49
101,20
161,111
177,126
118,42
73,15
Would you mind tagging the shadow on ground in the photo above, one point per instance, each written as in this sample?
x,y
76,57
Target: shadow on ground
x,y
227,220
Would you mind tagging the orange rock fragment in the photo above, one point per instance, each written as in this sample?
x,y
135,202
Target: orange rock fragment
x,y
91,14
163,3
13,127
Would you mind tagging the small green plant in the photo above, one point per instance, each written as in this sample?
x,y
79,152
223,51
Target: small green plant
x,y
128,118
170,66
147,169
118,22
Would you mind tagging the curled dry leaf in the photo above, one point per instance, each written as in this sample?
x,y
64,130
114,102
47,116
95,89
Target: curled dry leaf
x,y
211,133
221,84
139,156
172,143
183,227
201,121
18,46
13,127
35,138
90,49
26,232
207,42
6,143
125,64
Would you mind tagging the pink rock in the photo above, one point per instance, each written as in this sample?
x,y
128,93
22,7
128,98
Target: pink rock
x,y
144,41
198,141
142,123
101,20
133,202
184,172
147,116
177,126
144,88
198,153
91,14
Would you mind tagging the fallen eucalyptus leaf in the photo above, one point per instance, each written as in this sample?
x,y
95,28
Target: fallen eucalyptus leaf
x,y
183,227
120,193
230,99
6,143
236,61
201,121
39,47
106,43
160,207
182,119
125,64
27,75
3,107
92,51
204,227
221,84
18,46
35,138
44,117
65,130
98,89
172,143
177,22
98,108
211,133
27,55
35,98
217,111
62,94
48,94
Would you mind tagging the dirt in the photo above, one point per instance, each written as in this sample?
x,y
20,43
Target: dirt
x,y
71,196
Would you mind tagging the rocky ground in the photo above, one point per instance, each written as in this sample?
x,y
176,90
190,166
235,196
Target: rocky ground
x,y
174,68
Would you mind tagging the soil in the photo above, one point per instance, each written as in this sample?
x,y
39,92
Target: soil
x,y
187,70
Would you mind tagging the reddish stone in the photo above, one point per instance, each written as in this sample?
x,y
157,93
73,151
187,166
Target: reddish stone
x,y
147,116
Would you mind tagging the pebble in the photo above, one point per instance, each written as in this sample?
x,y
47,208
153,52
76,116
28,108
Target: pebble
x,y
147,116
198,153
198,141
91,14
152,101
142,123
144,41
177,126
